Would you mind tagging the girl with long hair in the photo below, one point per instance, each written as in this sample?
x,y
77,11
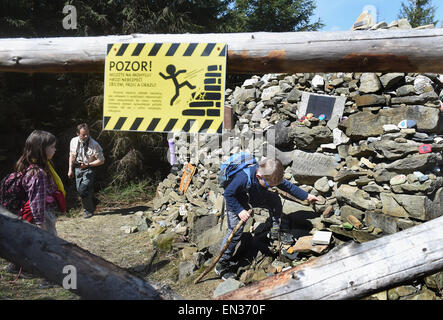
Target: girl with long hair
x,y
42,186
40,181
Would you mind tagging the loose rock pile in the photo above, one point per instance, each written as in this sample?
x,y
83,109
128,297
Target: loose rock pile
x,y
375,159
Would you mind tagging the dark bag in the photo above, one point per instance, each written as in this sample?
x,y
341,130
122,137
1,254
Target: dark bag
x,y
26,213
12,193
61,201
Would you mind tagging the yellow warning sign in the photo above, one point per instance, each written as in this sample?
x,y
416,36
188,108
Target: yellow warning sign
x,y
164,87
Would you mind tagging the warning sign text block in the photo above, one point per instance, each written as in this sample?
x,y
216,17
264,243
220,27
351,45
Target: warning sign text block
x,y
164,87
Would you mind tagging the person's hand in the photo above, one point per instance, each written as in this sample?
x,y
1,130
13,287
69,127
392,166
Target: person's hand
x,y
311,198
83,165
70,174
244,215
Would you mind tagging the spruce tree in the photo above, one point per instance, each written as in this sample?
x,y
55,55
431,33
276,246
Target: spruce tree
x,y
273,15
418,12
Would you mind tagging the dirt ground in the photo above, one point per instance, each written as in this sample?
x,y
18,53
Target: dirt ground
x,y
102,236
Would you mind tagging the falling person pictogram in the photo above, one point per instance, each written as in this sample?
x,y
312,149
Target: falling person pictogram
x,y
170,69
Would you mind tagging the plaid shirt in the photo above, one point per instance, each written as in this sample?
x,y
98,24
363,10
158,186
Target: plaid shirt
x,y
39,186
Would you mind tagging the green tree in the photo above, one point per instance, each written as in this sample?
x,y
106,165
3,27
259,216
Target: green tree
x,y
177,16
24,18
58,102
272,16
418,12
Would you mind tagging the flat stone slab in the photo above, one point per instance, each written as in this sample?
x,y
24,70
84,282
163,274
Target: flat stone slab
x,y
358,235
304,244
309,167
366,124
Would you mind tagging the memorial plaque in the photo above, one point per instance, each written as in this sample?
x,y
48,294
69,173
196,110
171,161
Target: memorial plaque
x,y
309,167
331,106
318,105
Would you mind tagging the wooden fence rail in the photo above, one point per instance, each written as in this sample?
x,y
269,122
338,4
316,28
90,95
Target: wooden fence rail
x,y
256,53
355,270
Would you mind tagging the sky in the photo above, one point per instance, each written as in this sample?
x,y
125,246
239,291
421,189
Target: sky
x,y
340,15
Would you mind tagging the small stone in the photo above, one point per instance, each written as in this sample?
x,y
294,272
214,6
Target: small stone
x,y
418,174
404,124
227,286
354,221
278,265
401,140
347,226
321,200
399,179
328,212
304,244
367,163
377,231
318,81
424,148
185,269
270,92
128,229
422,84
369,83
408,131
407,290
142,223
322,185
389,128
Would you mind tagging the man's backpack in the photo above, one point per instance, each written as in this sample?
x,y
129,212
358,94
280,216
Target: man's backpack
x,y
235,163
12,193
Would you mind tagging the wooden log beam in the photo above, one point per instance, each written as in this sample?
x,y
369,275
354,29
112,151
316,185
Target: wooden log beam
x,y
47,255
259,52
356,270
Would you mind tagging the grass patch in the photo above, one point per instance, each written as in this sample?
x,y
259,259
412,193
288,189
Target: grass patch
x,y
135,192
27,289
165,244
73,213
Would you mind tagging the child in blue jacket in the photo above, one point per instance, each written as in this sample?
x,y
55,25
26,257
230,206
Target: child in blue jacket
x,y
241,194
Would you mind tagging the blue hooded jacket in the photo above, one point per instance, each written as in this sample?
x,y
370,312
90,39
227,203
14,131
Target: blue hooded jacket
x,y
238,196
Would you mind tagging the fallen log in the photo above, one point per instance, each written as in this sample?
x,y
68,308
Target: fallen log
x,y
53,258
255,52
353,270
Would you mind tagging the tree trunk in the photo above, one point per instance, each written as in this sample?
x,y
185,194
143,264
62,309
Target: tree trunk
x,y
356,270
53,258
255,52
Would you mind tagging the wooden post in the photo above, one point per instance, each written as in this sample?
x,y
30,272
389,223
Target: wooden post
x,y
47,255
227,118
255,52
353,270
